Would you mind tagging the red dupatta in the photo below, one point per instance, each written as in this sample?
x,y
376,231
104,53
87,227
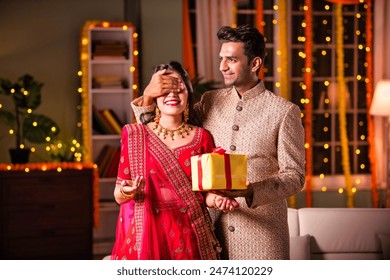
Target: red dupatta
x,y
145,147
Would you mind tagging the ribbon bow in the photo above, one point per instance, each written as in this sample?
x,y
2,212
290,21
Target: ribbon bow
x,y
219,150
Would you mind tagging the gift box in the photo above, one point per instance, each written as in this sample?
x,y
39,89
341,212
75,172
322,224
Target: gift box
x,y
219,171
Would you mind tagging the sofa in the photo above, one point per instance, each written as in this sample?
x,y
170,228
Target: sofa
x,y
339,233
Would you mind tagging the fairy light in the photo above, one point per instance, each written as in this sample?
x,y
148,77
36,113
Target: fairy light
x,y
357,181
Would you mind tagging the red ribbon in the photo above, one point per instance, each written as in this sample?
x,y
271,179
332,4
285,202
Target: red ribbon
x,y
228,173
200,172
218,150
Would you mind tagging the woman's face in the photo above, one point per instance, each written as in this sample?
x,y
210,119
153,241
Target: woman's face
x,y
174,103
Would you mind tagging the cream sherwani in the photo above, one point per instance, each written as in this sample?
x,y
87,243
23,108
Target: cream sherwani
x,y
269,130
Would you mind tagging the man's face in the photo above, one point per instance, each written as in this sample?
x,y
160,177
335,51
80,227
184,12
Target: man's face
x,y
234,65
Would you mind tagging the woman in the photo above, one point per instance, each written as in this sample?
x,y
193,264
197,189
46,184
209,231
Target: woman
x,y
160,216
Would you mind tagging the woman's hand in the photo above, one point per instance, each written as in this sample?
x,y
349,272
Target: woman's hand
x,y
128,189
225,204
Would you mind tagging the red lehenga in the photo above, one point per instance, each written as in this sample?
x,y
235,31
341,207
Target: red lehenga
x,y
168,220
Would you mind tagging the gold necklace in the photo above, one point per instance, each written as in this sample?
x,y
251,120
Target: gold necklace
x,y
182,130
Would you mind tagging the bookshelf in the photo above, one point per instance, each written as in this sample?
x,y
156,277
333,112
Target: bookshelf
x,y
109,72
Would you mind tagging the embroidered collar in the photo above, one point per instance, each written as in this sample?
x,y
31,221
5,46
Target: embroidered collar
x,y
252,93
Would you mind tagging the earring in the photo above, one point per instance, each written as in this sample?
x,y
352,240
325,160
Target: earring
x,y
157,116
186,114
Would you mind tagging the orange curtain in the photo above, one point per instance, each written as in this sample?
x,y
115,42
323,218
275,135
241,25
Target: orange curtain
x,y
188,52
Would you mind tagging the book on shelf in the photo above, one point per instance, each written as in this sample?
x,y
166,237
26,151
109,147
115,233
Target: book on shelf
x,y
112,168
109,57
107,159
102,158
113,119
108,82
109,48
100,124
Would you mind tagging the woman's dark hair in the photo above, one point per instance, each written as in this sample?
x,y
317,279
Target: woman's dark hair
x,y
178,68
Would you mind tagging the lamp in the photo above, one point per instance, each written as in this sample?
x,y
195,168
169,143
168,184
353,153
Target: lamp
x,y
381,107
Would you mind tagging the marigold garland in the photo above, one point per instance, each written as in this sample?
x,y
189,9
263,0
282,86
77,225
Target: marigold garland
x,y
370,123
84,59
46,166
85,102
308,80
341,94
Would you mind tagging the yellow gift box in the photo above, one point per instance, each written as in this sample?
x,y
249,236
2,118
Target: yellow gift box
x,y
219,171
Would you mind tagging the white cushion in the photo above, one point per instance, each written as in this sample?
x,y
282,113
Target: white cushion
x,y
300,247
344,230
385,243
293,223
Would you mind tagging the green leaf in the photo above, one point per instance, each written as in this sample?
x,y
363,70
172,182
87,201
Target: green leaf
x,y
7,118
43,128
5,86
33,97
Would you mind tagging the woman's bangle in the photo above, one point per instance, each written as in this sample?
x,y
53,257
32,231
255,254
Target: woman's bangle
x,y
126,195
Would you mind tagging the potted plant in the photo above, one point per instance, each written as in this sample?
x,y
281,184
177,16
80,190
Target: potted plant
x,y
25,94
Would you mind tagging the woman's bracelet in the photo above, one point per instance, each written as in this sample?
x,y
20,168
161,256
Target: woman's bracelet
x,y
126,195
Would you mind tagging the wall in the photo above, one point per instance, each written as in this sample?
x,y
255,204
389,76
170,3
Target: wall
x,y
161,29
41,37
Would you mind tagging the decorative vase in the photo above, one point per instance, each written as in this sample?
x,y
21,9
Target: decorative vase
x,y
19,155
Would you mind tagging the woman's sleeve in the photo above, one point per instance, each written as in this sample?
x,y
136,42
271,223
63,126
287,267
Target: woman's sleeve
x,y
208,143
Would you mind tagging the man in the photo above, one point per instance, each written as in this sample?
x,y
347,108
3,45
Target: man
x,y
246,118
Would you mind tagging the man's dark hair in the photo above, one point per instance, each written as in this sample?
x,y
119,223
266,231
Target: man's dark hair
x,y
253,40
